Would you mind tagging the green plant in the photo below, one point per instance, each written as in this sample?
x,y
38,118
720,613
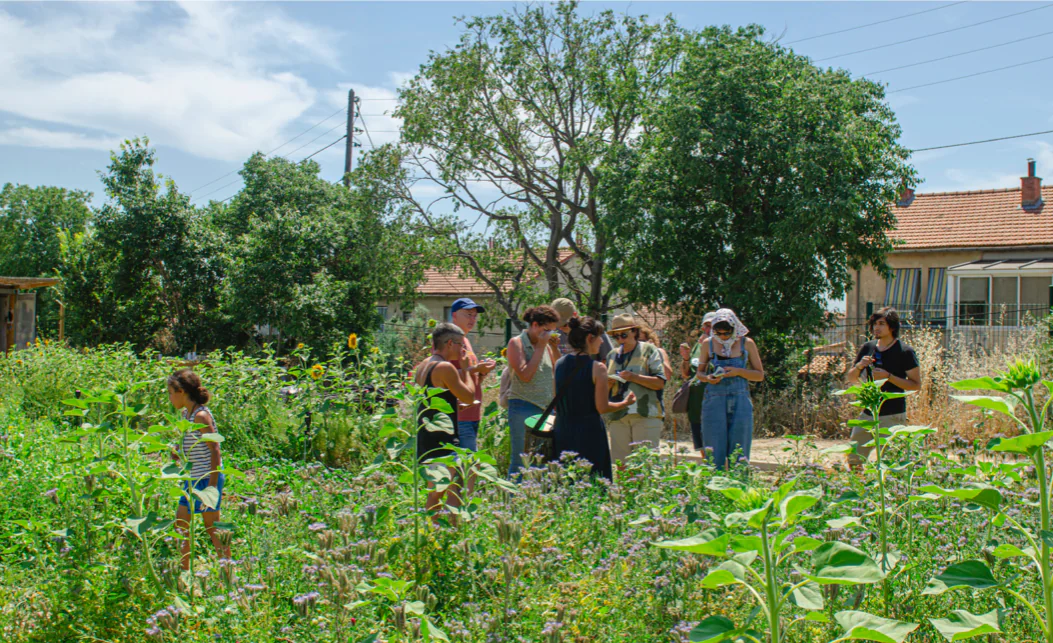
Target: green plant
x,y
774,516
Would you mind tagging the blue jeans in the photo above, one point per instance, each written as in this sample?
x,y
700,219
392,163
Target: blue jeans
x,y
467,432
201,485
727,424
518,412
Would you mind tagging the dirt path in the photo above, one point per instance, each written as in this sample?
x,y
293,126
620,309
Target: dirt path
x,y
769,453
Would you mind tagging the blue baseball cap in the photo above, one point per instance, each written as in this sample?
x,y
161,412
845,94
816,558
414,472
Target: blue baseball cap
x,y
465,304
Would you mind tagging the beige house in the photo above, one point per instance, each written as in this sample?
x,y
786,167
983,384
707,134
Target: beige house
x,y
977,259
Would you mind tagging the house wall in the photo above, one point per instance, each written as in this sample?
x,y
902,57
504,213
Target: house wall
x,y
871,286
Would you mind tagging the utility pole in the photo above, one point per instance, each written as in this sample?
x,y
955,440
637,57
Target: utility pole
x,y
349,142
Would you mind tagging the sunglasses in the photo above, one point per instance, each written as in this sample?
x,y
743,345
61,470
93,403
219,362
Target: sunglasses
x,y
723,333
620,335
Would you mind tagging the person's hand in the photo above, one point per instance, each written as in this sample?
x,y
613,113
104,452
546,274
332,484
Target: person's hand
x,y
629,400
484,367
732,371
881,374
863,363
685,352
543,337
713,379
554,339
628,376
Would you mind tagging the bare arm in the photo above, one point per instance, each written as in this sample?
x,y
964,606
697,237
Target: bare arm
x,y
912,382
524,370
667,367
603,403
203,417
755,373
857,370
458,381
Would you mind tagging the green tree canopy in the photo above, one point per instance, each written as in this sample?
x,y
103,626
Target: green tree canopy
x,y
309,258
33,223
759,183
513,125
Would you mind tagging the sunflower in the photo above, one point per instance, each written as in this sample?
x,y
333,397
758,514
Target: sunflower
x,y
352,341
375,350
317,371
432,323
504,352
299,346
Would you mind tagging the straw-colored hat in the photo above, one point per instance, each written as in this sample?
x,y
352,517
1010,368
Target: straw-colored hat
x,y
623,322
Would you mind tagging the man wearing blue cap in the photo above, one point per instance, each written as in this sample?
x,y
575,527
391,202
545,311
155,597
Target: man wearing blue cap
x,y
464,313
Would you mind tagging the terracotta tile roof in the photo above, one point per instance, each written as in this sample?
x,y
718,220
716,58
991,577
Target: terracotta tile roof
x,y
826,360
978,219
454,281
27,283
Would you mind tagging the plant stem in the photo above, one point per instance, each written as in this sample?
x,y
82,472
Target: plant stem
x,y
771,587
1043,489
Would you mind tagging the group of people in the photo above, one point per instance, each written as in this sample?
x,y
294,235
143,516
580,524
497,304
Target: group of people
x,y
604,386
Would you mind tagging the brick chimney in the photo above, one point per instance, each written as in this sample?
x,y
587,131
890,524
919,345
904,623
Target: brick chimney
x,y
906,197
1030,188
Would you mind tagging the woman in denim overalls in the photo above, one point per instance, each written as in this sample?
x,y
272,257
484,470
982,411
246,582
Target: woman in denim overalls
x,y
729,362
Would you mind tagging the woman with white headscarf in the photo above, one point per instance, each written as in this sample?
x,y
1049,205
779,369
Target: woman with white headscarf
x,y
728,363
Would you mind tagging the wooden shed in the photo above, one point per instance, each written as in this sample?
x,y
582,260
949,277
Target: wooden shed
x,y
18,310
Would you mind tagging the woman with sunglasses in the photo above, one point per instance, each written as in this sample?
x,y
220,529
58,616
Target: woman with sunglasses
x,y
639,369
728,363
532,356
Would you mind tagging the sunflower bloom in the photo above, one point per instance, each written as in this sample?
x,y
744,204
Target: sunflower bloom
x,y
374,350
504,352
317,371
352,341
299,346
432,323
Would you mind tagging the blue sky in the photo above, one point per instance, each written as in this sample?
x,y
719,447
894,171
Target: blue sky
x,y
211,83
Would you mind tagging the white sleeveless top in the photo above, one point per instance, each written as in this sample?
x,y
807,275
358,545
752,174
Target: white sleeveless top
x,y
195,450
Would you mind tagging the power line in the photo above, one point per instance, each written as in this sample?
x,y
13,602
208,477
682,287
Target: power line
x,y
989,140
324,148
971,51
973,75
190,193
366,128
329,131
938,33
871,24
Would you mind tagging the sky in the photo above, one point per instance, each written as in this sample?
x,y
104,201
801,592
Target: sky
x,y
211,83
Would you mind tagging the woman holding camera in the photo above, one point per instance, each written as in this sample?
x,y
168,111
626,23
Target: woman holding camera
x,y
728,363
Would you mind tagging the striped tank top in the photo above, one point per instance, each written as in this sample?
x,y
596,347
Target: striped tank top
x,y
195,450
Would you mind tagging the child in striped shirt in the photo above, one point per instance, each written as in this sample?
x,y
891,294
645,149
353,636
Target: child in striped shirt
x,y
187,395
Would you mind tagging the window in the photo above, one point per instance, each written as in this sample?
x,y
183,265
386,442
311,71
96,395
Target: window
x,y
1002,300
447,314
903,290
1034,297
937,293
382,312
972,301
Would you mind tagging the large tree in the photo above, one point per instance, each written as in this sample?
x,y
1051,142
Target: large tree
x,y
760,182
513,125
145,272
33,223
309,258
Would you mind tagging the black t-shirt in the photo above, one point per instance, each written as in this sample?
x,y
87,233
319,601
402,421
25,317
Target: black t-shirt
x,y
897,360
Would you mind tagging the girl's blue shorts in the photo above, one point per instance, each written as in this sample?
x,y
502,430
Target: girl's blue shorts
x,y
201,485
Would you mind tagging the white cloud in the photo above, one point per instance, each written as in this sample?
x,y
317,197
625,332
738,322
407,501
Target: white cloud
x,y
33,137
211,80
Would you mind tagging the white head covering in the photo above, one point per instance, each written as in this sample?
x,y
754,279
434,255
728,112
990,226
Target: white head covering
x,y
709,317
739,329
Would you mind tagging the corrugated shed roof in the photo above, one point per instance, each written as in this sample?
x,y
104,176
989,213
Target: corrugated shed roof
x,y
28,283
977,219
